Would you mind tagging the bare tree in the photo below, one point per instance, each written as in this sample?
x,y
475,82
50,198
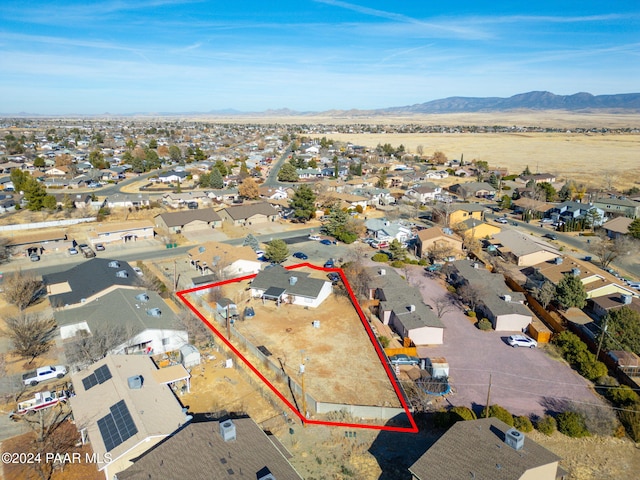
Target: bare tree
x,y
198,332
444,305
470,295
358,276
544,294
607,250
87,348
30,334
21,288
5,250
440,250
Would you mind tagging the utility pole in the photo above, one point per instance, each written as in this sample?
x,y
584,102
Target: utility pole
x,y
304,392
604,331
228,325
486,410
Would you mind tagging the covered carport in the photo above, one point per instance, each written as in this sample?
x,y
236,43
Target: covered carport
x,y
273,293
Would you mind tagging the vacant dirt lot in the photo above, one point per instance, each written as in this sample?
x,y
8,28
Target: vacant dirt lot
x,y
584,158
341,365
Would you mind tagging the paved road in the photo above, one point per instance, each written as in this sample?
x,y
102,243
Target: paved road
x,y
524,381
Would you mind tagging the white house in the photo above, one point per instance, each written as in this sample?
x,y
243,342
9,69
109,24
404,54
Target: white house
x,y
290,286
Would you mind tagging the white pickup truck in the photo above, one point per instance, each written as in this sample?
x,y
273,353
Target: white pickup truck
x,y
43,374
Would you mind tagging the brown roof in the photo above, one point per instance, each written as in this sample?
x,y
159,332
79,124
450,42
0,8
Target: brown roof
x,y
198,452
614,301
436,232
38,237
184,217
241,212
124,226
618,225
227,254
476,449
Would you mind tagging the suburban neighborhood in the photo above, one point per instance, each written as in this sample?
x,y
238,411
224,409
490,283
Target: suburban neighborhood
x,y
212,294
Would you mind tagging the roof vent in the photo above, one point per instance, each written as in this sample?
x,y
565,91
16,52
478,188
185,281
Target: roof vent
x,y
142,297
475,265
154,312
412,308
227,430
506,298
122,274
201,249
625,298
575,272
135,382
293,280
114,264
558,260
382,272
514,439
265,474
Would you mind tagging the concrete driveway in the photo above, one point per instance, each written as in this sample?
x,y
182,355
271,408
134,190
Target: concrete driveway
x,y
524,381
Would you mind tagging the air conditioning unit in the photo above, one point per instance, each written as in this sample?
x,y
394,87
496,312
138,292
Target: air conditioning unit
x,y
514,439
293,280
227,430
135,382
626,299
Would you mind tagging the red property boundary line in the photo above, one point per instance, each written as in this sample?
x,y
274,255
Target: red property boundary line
x,y
413,429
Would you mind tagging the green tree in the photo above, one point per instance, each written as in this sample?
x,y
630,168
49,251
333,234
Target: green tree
x,y
34,194
623,328
526,172
19,179
396,250
49,202
570,292
544,294
303,203
153,143
549,192
277,251
287,173
219,165
592,219
174,153
199,155
96,159
151,160
215,179
251,241
505,202
494,181
634,228
38,162
572,424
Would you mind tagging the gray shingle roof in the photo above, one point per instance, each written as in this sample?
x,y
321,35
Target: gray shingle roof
x,y
198,452
476,449
182,218
241,212
88,279
277,276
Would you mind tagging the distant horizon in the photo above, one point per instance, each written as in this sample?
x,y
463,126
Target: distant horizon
x,y
91,57
291,112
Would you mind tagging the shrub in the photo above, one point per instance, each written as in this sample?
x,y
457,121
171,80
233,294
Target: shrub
x,y
384,341
457,414
380,257
622,396
397,263
423,262
546,425
471,313
523,424
500,413
506,187
631,421
484,324
572,425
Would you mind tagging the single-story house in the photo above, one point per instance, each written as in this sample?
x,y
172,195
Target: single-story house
x,y
523,250
224,260
473,189
383,229
124,406
290,286
196,451
601,306
617,227
148,323
172,176
188,220
249,214
402,307
124,232
38,242
486,448
441,242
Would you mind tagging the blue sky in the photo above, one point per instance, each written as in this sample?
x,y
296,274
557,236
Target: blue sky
x,y
125,56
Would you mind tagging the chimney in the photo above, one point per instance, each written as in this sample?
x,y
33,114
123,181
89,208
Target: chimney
x,y
227,430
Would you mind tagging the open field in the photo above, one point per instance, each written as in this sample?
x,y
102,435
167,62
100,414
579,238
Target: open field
x,y
333,371
592,159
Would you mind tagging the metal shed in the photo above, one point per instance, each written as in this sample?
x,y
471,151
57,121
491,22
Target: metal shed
x,y
189,356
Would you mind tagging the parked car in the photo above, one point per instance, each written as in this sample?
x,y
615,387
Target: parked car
x,y
521,341
34,257
546,220
99,247
334,277
325,242
329,263
43,374
300,255
550,236
73,251
436,267
314,237
502,220
402,359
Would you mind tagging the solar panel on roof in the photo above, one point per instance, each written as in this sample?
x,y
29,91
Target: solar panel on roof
x,y
90,381
103,374
117,427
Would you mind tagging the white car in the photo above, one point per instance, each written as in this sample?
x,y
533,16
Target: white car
x,y
314,237
521,341
502,220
